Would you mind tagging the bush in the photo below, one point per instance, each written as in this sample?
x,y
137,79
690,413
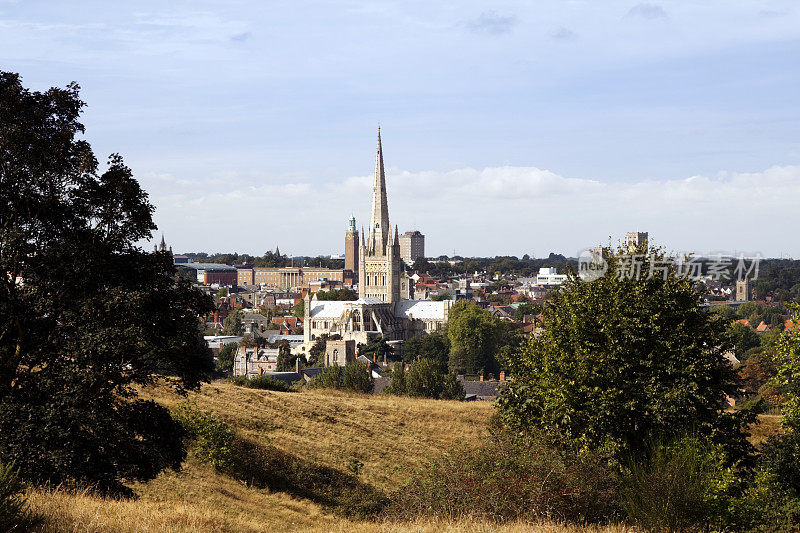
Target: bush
x,y
15,515
452,390
677,486
225,357
358,378
329,378
398,384
213,438
424,379
509,478
262,382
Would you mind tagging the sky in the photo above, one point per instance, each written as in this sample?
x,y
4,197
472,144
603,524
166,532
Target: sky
x,y
508,127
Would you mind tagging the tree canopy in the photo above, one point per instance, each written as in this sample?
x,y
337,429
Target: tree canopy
x,y
85,313
620,359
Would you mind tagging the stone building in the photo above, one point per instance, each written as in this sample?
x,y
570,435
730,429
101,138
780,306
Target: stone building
x,y
634,239
340,352
379,253
384,307
351,247
253,362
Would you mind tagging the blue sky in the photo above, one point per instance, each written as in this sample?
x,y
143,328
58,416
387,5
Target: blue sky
x,y
508,127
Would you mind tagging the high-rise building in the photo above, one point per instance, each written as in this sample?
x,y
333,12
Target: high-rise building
x,y
351,246
635,239
379,253
412,246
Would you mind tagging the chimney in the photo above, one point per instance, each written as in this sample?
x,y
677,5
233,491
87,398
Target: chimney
x,y
481,376
297,365
502,375
384,359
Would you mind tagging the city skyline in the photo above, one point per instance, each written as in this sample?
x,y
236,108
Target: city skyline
x,y
508,129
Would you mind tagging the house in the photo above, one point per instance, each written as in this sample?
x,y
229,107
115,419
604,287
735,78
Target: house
x,y
762,327
252,361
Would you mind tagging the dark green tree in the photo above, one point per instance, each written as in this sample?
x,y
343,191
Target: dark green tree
x,y
232,325
424,379
625,359
225,357
743,339
475,337
435,346
398,384
85,314
357,377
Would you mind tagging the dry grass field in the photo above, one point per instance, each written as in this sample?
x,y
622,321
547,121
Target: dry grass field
x,y
389,435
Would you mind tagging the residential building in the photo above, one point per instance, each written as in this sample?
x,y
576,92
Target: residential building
x,y
550,276
412,246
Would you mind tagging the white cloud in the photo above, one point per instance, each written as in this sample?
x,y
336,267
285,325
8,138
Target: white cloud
x,y
498,210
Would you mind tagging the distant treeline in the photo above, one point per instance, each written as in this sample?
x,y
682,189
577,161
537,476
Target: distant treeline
x,y
269,259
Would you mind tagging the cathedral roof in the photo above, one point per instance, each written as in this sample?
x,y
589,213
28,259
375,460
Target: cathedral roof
x,y
422,309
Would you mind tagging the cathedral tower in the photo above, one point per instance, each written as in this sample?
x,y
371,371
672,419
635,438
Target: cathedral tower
x,y
379,253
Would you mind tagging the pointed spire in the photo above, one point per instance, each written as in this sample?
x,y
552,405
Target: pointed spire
x,y
163,243
379,221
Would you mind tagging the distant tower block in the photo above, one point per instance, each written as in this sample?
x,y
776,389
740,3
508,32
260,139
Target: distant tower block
x,y
635,239
351,246
412,246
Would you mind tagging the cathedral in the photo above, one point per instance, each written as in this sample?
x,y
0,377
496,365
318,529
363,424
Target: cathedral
x,y
384,307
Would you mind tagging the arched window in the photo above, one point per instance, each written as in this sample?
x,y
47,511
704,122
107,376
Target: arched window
x,y
336,356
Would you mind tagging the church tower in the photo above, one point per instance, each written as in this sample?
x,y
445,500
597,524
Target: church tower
x,y
379,252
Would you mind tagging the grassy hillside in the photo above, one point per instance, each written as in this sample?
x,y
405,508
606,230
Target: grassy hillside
x,y
389,435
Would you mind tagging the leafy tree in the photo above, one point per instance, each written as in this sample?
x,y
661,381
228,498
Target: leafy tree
x,y
424,379
526,308
222,292
435,346
86,315
232,325
300,308
225,357
452,389
743,338
343,294
441,297
421,265
378,347
475,336
757,370
357,377
398,384
624,360
788,377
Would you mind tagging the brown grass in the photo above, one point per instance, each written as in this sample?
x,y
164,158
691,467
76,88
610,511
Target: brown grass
x,y
389,435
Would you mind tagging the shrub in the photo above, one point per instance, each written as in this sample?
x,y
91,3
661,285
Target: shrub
x,y
329,378
263,382
424,379
509,478
677,486
357,377
213,438
398,384
15,515
225,357
452,390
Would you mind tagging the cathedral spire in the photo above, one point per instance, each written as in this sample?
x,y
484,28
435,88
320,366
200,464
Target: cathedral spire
x,y
379,221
